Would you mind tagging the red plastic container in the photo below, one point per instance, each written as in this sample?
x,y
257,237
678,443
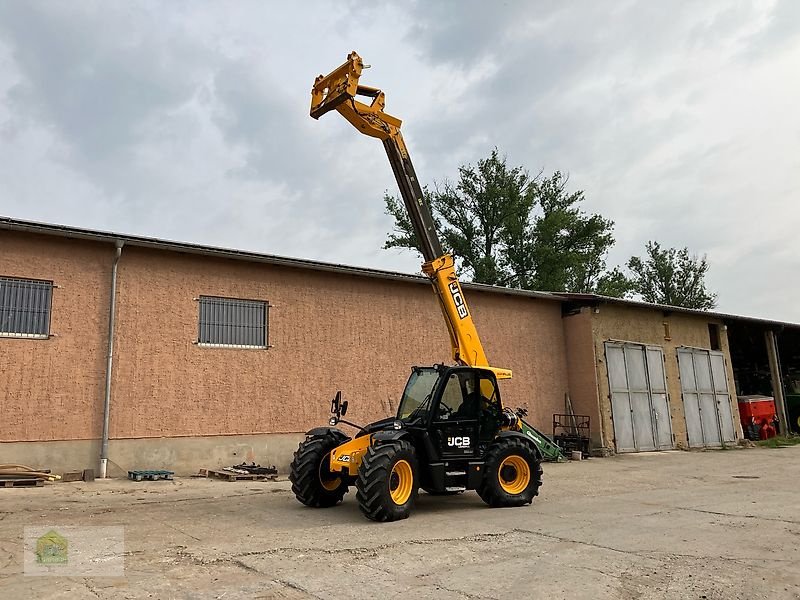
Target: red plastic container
x,y
756,407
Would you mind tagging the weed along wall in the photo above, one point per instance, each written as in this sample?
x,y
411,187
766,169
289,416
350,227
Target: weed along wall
x,y
182,405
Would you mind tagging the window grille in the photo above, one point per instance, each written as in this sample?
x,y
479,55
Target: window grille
x,y
231,322
25,307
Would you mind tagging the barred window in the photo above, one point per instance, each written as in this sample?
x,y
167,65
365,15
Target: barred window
x,y
25,307
232,322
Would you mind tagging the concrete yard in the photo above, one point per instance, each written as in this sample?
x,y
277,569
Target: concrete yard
x,y
705,525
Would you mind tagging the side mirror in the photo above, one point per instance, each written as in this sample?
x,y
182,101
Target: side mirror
x,y
336,402
344,408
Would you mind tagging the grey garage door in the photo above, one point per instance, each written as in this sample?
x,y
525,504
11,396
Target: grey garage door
x,y
706,402
639,403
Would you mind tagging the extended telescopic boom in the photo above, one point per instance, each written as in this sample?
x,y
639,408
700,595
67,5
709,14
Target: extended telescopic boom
x,y
338,91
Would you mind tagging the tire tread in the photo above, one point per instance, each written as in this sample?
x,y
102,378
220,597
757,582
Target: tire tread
x,y
304,473
489,489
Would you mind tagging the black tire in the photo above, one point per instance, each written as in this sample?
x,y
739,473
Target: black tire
x,y
381,475
309,467
501,477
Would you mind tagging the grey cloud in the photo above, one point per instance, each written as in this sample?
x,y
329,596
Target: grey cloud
x,y
461,32
96,75
190,121
780,30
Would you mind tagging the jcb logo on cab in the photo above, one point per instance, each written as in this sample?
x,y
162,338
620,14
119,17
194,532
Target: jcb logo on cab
x,y
459,441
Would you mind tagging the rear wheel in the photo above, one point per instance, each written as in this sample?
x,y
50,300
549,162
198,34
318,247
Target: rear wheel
x,y
313,483
512,475
387,481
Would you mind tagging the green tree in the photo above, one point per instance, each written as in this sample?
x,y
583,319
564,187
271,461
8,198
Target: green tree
x,y
671,276
505,227
471,215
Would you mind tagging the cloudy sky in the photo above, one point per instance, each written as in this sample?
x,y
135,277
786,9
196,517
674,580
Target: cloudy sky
x,y
189,121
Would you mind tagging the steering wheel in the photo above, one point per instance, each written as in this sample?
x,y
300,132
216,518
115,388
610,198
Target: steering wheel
x,y
445,411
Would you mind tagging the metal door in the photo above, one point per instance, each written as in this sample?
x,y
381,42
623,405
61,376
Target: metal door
x,y
706,401
659,401
639,402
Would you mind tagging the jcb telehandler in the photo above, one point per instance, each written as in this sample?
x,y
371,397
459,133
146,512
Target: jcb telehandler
x,y
451,432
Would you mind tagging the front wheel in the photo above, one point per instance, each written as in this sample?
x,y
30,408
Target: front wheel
x,y
387,481
512,475
313,483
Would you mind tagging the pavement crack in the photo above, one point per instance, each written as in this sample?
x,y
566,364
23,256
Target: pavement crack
x,y
373,550
464,594
171,526
297,588
89,587
735,516
243,565
196,498
582,542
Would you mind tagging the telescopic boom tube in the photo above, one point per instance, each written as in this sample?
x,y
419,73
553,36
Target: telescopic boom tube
x,y
338,91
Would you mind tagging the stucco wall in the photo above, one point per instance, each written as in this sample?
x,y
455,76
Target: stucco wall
x,y
646,326
328,332
52,389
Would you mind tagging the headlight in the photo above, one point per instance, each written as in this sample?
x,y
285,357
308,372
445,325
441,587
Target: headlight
x,y
397,424
332,421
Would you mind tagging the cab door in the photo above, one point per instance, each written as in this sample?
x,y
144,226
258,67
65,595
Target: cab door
x,y
455,419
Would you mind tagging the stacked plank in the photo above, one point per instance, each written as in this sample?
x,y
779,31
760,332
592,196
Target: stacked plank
x,y
22,475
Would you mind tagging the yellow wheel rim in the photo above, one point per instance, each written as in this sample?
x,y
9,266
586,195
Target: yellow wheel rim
x,y
514,474
328,480
401,482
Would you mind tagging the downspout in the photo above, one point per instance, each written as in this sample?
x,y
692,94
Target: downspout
x,y
110,359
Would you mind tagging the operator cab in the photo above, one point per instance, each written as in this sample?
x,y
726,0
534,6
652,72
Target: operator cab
x,y
459,406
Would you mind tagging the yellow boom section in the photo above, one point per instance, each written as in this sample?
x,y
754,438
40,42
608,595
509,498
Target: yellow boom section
x,y
338,91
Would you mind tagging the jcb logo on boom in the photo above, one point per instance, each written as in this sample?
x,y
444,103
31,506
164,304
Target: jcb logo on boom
x,y
461,441
458,300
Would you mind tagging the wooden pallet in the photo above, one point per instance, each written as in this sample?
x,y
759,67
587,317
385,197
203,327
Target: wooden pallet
x,y
26,482
149,475
229,476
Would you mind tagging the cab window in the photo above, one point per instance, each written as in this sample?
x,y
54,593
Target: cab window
x,y
459,397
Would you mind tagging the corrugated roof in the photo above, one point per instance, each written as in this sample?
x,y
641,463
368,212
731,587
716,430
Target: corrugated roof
x,y
589,299
10,224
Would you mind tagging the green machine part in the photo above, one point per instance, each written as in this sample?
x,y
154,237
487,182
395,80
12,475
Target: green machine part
x,y
549,449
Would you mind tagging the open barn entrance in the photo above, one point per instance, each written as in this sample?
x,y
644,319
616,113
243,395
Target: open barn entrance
x,y
766,362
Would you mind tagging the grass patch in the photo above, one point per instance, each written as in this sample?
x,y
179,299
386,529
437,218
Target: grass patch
x,y
781,441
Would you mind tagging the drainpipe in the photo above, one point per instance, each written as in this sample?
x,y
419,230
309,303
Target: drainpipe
x,y
110,359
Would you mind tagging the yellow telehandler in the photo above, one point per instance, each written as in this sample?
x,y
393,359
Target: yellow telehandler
x,y
451,432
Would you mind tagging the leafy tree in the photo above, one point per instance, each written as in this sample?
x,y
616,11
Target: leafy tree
x,y
673,277
508,228
471,215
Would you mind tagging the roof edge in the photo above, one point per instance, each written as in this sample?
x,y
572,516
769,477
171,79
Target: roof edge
x,y
66,231
588,299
